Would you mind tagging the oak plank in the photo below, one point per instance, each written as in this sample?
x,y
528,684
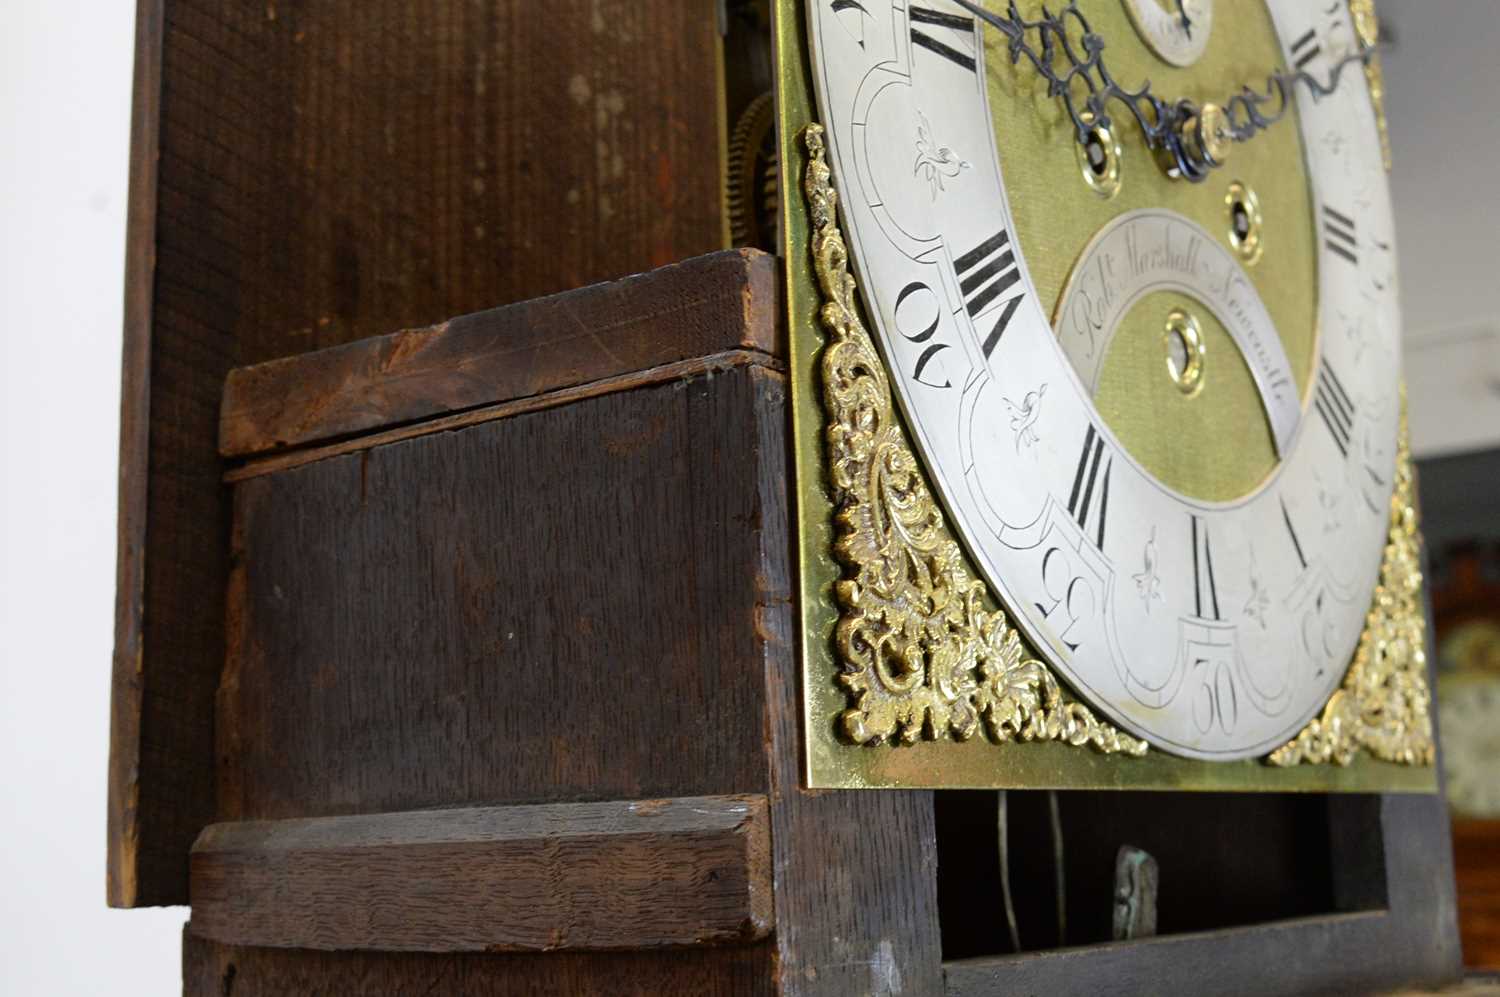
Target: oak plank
x,y
622,874
307,174
558,606
210,969
709,305
856,883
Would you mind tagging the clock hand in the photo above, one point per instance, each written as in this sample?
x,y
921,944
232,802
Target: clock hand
x,y
1191,140
1187,24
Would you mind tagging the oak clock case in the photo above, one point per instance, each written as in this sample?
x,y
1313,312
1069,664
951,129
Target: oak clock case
x,y
1160,420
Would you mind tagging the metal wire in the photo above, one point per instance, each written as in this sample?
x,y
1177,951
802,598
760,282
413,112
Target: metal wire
x,y
1060,875
1010,907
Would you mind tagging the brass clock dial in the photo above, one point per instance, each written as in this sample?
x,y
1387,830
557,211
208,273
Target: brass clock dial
x,y
1162,415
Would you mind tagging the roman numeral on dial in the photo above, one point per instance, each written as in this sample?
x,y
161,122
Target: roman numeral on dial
x,y
1335,407
1306,49
985,273
1205,589
1089,485
1340,237
924,19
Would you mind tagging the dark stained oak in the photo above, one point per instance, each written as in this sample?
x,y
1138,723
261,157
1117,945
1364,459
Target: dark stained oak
x,y
554,607
1476,865
856,884
464,617
519,351
210,969
307,174
633,874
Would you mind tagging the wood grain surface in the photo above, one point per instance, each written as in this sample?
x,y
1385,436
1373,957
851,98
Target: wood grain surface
x,y
555,607
518,351
210,969
1476,870
622,874
307,174
856,884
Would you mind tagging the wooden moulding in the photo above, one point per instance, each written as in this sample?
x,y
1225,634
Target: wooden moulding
x,y
616,875
524,350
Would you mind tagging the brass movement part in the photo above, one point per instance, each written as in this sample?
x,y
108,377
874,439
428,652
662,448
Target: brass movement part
x,y
830,761
1384,706
922,652
1367,29
752,182
1055,220
1103,176
1182,329
1206,134
1247,246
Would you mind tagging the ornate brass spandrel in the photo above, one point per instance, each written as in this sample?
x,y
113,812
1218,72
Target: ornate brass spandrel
x,y
922,653
1383,706
1367,28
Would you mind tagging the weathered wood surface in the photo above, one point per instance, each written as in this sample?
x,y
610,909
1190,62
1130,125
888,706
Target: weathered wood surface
x,y
680,370
307,174
518,351
210,969
464,617
623,874
856,889
161,780
1476,868
554,607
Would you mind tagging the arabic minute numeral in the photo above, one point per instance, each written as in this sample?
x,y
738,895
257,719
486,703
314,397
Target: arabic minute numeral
x,y
984,274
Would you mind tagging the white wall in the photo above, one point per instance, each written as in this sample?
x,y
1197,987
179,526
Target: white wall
x,y
64,115
64,123
1443,78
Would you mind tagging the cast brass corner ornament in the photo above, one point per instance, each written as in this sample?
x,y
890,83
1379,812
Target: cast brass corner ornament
x,y
1367,30
920,652
1383,707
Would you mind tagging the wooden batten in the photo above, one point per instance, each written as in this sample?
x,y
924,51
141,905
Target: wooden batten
x,y
582,876
677,314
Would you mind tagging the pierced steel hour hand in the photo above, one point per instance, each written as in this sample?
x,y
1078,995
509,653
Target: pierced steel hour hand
x,y
1188,139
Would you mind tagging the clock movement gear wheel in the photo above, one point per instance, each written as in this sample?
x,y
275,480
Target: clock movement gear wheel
x,y
752,186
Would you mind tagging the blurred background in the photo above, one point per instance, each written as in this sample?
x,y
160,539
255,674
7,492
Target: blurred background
x,y
65,71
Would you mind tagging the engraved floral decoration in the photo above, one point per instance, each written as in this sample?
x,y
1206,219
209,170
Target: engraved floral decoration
x,y
1383,705
921,653
934,161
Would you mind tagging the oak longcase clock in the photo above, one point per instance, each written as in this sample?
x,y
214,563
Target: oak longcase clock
x,y
1102,471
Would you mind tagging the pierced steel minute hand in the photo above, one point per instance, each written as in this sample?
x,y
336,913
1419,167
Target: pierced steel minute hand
x,y
1190,140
